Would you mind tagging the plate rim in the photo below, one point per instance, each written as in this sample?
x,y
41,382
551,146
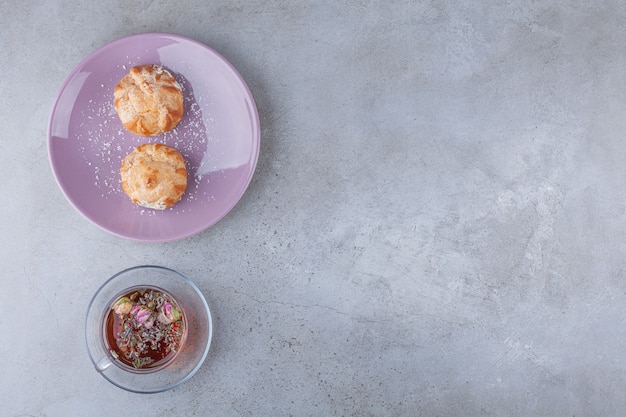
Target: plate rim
x,y
255,151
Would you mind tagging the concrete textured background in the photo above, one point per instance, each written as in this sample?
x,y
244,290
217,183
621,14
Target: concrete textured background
x,y
436,225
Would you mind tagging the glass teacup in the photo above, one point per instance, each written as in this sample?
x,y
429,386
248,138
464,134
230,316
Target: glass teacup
x,y
148,329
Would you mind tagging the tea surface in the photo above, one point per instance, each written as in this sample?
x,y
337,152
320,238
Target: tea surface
x,y
144,328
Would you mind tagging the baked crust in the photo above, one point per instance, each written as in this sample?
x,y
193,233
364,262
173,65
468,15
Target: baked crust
x,y
148,100
154,176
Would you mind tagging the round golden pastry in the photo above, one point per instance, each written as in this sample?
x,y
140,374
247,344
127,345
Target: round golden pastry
x,y
154,176
149,100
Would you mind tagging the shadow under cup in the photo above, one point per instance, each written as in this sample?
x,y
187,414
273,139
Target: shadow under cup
x,y
177,367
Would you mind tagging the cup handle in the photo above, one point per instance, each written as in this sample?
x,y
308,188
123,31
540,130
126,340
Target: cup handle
x,y
103,364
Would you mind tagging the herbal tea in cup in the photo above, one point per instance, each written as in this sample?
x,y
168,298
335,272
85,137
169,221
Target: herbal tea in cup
x,y
144,329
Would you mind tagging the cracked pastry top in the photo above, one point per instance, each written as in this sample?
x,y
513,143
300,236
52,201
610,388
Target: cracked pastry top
x,y
154,176
149,100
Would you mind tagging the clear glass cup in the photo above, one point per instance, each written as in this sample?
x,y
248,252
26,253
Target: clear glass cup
x,y
198,329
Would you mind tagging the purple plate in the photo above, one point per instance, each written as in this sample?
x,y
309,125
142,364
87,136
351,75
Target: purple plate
x,y
219,137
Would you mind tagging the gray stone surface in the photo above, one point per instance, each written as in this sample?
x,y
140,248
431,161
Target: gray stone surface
x,y
436,225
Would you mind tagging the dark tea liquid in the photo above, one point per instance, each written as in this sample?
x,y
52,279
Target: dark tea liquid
x,y
144,328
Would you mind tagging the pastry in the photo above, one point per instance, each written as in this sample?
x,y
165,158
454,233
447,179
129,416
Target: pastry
x,y
154,176
149,100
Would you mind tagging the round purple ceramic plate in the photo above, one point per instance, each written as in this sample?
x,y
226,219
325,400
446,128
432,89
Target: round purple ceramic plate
x,y
219,137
